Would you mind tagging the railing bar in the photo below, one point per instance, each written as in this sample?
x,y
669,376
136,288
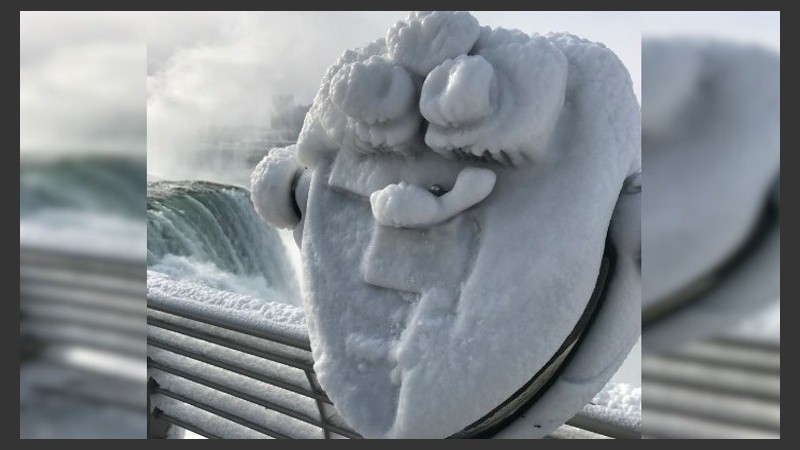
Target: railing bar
x,y
753,421
241,371
725,364
159,414
710,416
218,412
738,341
84,372
30,288
603,427
118,320
67,277
716,389
571,432
322,417
650,426
64,338
250,398
710,386
116,307
129,274
302,365
102,263
263,334
312,379
126,403
92,324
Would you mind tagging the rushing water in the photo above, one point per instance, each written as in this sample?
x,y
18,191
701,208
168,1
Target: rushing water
x,y
209,233
84,203
111,186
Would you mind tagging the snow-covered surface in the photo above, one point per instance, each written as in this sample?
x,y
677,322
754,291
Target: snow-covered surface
x,y
241,408
422,327
254,313
711,151
619,404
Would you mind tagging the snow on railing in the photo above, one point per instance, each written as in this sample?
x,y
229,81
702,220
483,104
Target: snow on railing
x,y
221,374
249,379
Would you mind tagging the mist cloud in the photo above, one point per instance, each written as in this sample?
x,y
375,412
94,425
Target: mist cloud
x,y
231,66
82,85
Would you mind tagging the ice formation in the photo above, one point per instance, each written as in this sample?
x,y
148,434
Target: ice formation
x,y
711,146
459,186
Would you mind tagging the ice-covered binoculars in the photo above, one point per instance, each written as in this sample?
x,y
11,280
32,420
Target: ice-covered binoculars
x,y
467,203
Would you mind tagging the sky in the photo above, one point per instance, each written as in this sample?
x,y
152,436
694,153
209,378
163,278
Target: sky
x,y
82,84
759,27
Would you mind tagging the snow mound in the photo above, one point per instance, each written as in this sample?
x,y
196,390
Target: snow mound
x,y
619,404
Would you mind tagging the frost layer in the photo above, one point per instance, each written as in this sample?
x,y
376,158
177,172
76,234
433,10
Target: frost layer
x,y
461,182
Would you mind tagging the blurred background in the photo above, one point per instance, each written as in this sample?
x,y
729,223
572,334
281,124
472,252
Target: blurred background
x,y
710,224
82,227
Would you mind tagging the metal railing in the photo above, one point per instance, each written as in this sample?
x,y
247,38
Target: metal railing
x,y
178,336
698,384
81,314
718,388
67,298
230,339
